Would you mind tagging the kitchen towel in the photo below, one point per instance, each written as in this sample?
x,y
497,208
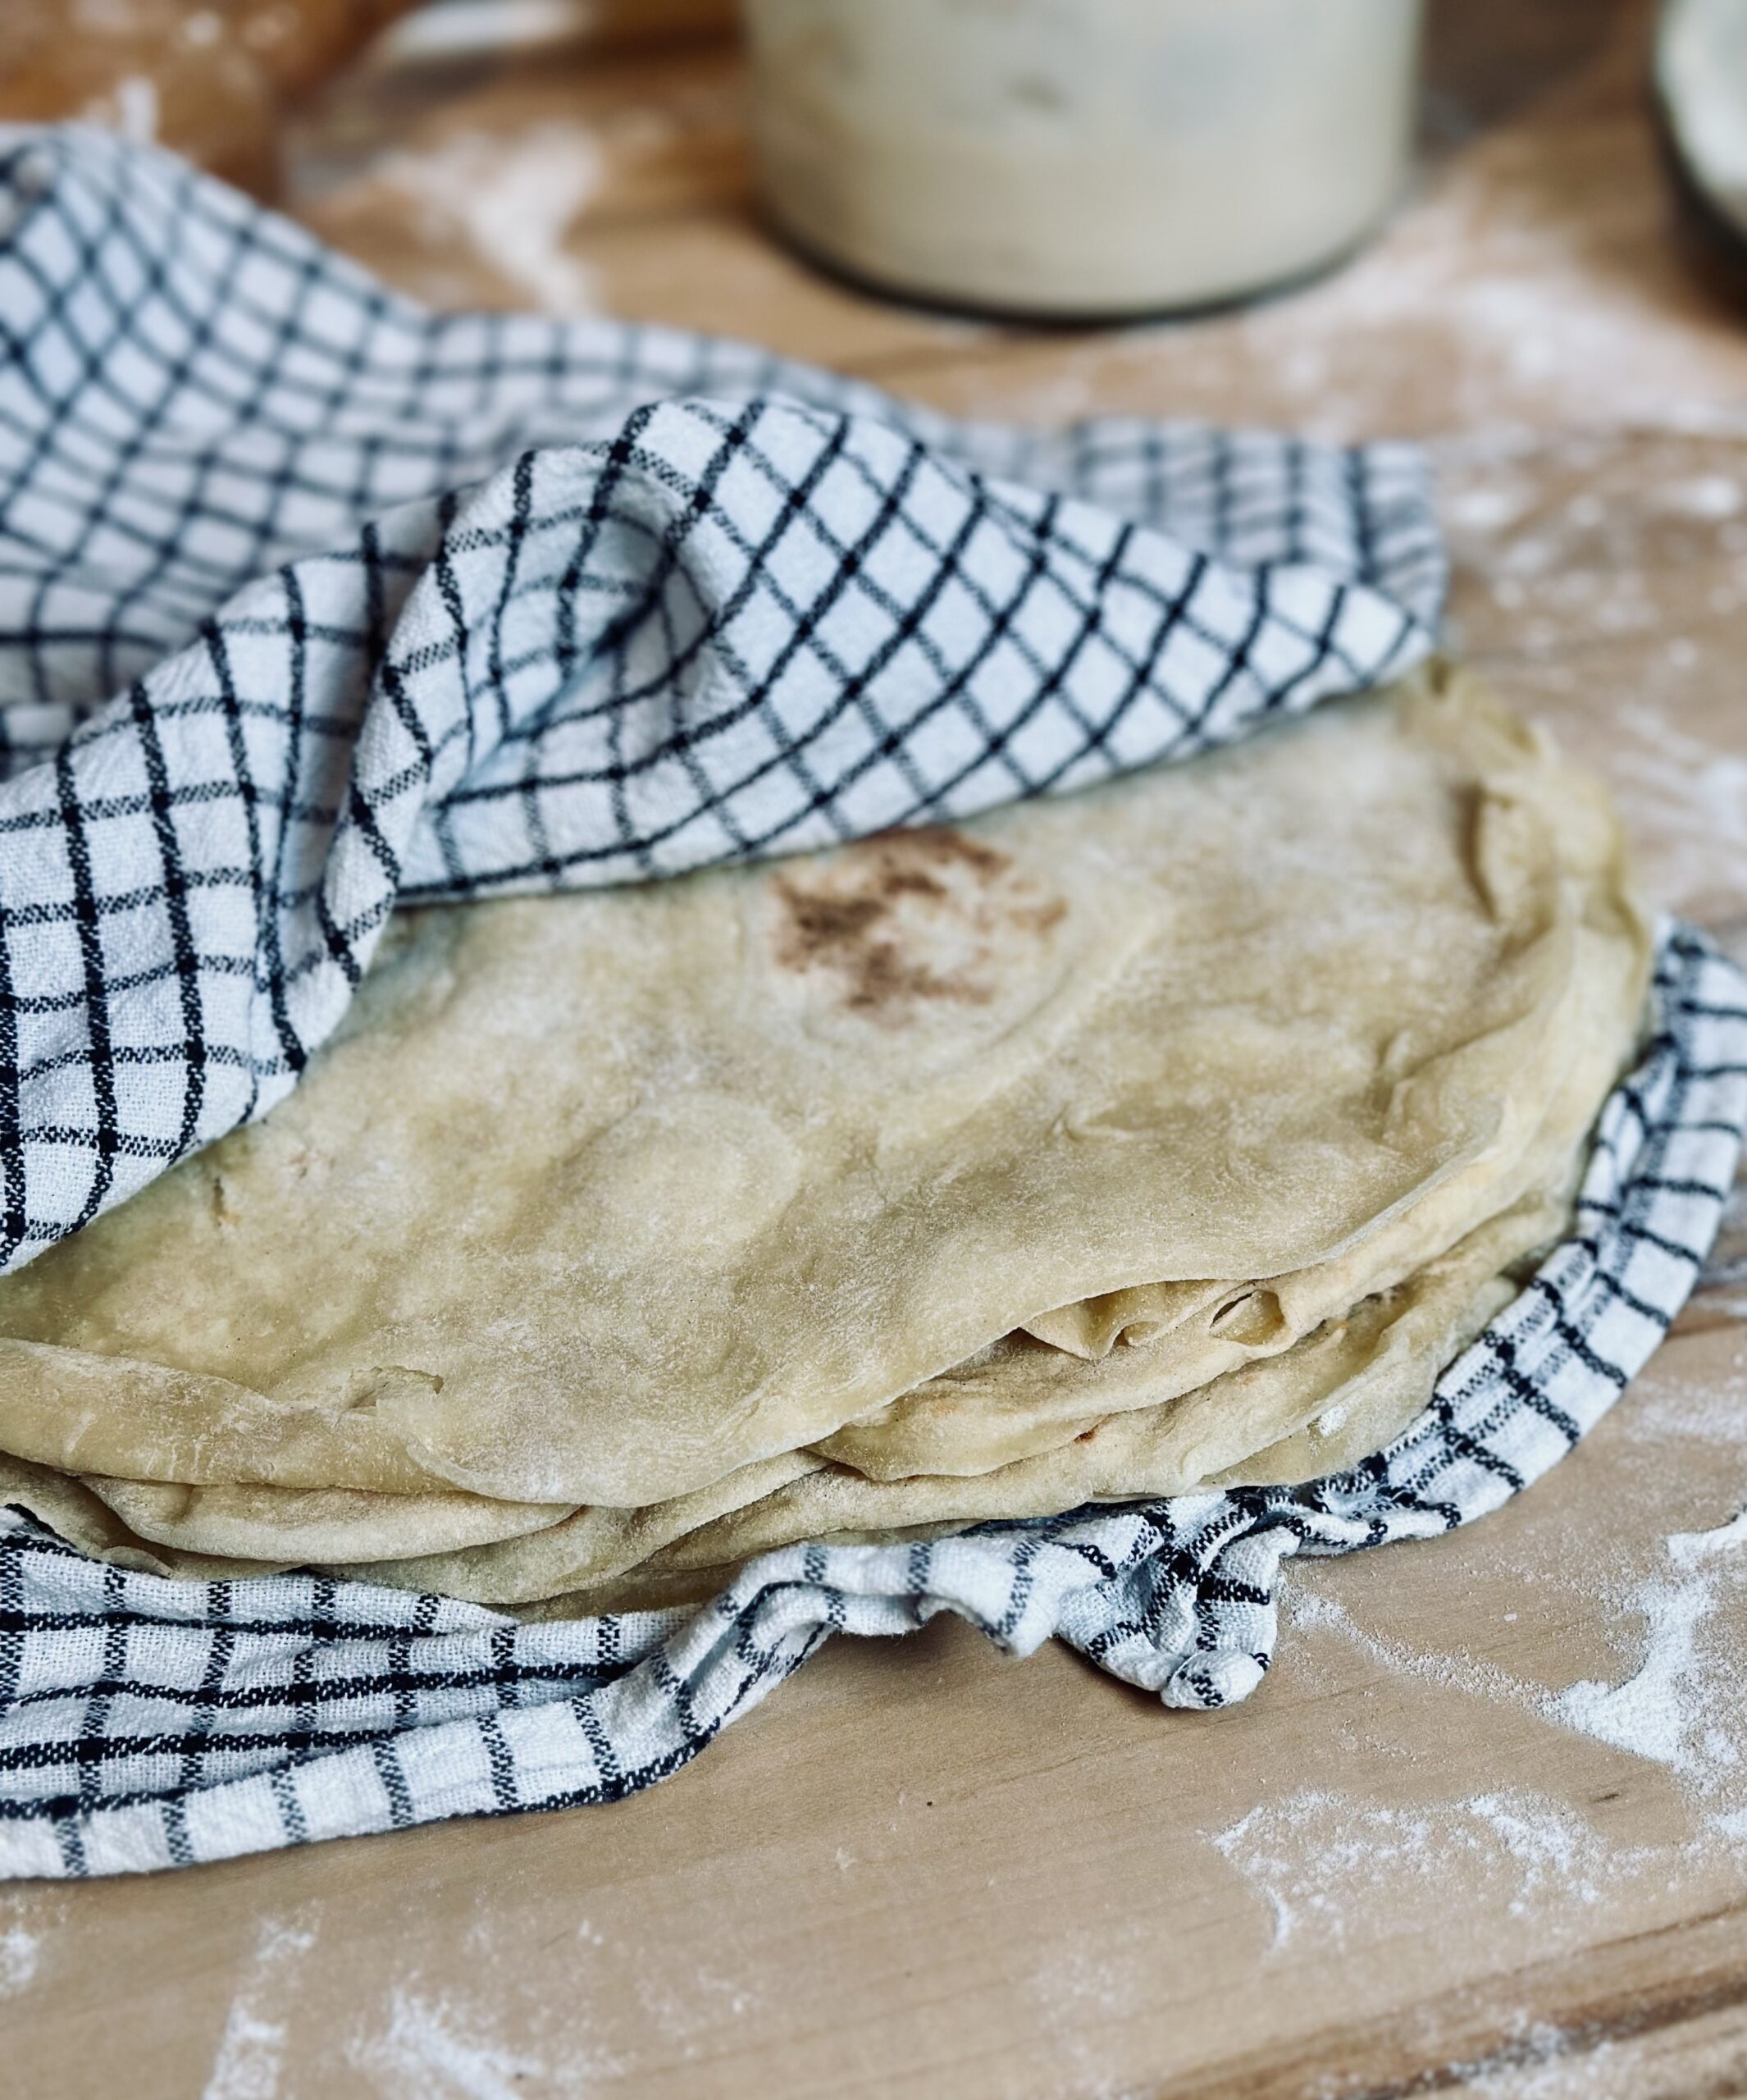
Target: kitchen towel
x,y
311,602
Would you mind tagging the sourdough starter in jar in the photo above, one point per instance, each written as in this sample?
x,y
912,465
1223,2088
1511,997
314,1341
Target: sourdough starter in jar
x,y
1081,157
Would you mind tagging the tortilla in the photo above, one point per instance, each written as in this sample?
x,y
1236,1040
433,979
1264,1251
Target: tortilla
x,y
1021,1397
1361,1377
600,1200
1374,1369
1378,1365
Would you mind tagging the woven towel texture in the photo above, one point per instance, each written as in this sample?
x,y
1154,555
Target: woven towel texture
x,y
310,602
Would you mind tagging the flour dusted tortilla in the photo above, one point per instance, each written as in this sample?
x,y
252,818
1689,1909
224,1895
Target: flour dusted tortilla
x,y
352,1530
1382,1360
600,1199
1362,1377
1104,1430
1335,1397
1023,1396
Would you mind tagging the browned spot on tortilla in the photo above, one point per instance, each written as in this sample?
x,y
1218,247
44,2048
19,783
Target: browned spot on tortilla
x,y
1042,917
939,842
911,882
883,915
820,926
880,979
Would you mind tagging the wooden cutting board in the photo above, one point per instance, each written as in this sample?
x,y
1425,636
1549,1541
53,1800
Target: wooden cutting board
x,y
1418,1860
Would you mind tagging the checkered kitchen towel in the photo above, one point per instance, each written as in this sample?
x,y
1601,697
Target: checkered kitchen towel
x,y
311,601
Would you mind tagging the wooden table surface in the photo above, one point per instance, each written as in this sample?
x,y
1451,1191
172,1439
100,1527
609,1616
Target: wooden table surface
x,y
1417,1860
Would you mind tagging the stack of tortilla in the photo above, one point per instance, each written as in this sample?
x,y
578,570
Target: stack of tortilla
x,y
1175,1133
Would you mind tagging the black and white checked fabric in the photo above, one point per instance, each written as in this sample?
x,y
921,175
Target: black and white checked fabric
x,y
311,601
147,1723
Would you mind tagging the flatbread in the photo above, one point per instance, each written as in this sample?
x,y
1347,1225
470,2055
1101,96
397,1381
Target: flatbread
x,y
1027,1397
1361,1377
1380,1362
1374,1368
1022,1396
291,1526
1033,1399
602,1200
1336,1397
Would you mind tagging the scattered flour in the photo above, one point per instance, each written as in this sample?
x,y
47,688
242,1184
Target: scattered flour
x,y
1542,2061
1690,798
1649,1714
31,1923
1091,1981
1688,1549
252,2050
1464,1674
514,198
1323,1858
432,2048
21,1957
1489,506
1513,271
427,2049
251,2056
1333,1864
1672,1409
1702,495
1665,1710
683,2011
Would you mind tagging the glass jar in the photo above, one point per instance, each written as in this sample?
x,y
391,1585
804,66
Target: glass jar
x,y
1075,158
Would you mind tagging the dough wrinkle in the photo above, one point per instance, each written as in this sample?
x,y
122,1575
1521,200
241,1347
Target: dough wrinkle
x,y
1105,1143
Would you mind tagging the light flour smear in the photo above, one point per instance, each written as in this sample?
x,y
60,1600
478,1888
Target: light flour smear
x,y
511,201
1324,1859
1670,1709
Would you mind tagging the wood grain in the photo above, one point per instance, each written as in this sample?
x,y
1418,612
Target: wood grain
x,y
920,1869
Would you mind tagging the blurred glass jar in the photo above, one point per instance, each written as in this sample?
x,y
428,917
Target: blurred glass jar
x,y
1082,158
